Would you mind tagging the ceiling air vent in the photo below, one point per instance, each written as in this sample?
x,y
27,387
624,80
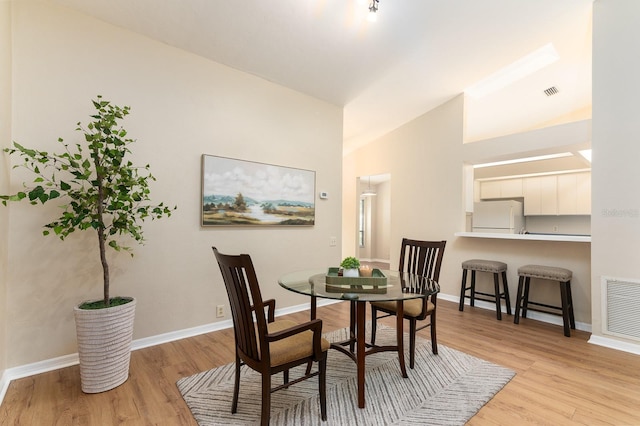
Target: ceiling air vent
x,y
551,91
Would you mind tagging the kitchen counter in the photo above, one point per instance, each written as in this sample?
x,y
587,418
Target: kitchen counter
x,y
531,237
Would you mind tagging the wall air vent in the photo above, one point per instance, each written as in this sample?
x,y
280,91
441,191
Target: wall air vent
x,y
621,308
553,90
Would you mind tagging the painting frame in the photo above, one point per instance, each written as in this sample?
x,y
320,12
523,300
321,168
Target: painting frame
x,y
244,193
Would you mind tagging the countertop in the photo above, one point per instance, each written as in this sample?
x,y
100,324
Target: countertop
x,y
532,237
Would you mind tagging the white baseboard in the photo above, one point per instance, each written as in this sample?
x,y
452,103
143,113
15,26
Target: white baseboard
x,y
375,260
607,342
72,359
539,316
4,385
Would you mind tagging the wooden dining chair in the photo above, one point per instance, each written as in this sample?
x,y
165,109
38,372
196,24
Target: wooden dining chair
x,y
264,344
422,258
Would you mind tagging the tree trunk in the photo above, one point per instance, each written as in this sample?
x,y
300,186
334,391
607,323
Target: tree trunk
x,y
101,235
105,265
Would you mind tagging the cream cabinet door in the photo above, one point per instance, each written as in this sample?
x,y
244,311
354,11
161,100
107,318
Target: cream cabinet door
x,y
511,188
490,189
540,195
574,194
507,188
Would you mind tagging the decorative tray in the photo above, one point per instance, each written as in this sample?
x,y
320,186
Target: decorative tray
x,y
376,279
354,289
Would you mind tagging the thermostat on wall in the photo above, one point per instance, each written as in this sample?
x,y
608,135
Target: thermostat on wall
x,y
324,195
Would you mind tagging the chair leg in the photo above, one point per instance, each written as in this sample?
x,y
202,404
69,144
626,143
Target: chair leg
x,y
374,320
266,399
496,289
236,386
516,317
463,290
434,340
285,376
412,343
507,298
322,386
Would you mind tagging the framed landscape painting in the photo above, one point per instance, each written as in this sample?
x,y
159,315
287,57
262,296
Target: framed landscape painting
x,y
246,193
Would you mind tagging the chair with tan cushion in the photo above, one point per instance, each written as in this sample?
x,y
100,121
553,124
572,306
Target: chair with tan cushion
x,y
265,345
422,258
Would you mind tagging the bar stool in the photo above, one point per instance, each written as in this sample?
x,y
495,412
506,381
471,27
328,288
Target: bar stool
x,y
491,266
550,273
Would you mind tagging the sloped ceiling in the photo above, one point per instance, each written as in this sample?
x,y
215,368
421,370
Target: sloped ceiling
x,y
419,53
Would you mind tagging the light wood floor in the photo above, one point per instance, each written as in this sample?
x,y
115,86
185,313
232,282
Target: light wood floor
x,y
559,380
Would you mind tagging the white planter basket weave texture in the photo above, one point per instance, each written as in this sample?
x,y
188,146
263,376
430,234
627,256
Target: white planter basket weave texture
x,y
104,345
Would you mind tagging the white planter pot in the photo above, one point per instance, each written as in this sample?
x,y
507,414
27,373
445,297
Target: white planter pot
x,y
351,272
104,345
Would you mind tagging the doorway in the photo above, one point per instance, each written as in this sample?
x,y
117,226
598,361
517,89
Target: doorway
x,y
374,218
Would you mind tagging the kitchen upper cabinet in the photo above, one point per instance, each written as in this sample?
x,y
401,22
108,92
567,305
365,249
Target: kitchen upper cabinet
x,y
574,193
507,188
540,195
563,194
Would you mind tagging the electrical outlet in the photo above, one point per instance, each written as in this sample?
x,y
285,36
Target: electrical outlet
x,y
219,311
333,241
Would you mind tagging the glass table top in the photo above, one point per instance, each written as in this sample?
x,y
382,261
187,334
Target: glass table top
x,y
314,283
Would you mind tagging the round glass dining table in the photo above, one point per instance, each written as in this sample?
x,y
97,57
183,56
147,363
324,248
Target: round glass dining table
x,y
394,287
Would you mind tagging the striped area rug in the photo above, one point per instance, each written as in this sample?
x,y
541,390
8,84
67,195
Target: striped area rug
x,y
444,389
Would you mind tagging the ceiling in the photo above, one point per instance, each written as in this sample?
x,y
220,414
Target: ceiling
x,y
418,55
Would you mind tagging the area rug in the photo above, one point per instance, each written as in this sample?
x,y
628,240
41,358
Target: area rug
x,y
444,389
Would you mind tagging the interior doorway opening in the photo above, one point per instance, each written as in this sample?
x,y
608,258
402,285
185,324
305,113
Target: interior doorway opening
x,y
374,219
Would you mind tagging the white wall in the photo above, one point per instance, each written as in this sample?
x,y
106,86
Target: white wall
x,y
615,221
425,158
182,106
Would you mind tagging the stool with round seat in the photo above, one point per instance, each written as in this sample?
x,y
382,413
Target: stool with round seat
x,y
550,273
497,269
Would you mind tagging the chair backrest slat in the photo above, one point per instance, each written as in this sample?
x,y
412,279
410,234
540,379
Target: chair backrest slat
x,y
422,257
245,299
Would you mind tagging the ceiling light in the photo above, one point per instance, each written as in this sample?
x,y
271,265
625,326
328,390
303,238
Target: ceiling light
x,y
368,192
523,160
521,68
586,153
373,9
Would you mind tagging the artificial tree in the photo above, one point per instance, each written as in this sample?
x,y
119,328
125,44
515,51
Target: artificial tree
x,y
101,190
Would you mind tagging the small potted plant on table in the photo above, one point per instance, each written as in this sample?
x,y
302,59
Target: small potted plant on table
x,y
350,267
